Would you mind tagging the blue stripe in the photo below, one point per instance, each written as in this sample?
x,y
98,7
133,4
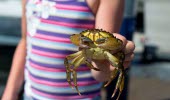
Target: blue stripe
x,y
68,94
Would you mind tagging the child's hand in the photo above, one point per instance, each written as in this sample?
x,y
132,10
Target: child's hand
x,y
128,48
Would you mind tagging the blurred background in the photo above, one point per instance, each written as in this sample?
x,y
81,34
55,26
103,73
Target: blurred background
x,y
150,70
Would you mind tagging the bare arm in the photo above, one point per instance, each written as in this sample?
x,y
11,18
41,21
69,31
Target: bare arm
x,y
108,17
16,75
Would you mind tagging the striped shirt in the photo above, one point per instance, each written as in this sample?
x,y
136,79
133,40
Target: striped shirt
x,y
49,26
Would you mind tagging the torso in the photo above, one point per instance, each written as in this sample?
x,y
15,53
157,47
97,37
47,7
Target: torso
x,y
49,26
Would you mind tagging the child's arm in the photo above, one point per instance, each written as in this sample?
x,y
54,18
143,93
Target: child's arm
x,y
16,76
109,17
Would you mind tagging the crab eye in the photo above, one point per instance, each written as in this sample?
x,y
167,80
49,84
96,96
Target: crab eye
x,y
85,40
100,41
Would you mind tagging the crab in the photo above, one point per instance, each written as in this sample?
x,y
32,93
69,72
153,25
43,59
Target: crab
x,y
96,44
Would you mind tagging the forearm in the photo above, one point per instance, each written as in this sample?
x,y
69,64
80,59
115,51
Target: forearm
x,y
109,15
16,75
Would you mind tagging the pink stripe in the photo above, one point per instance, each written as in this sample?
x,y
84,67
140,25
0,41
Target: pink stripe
x,y
62,84
67,24
55,69
69,7
65,97
52,38
48,54
38,2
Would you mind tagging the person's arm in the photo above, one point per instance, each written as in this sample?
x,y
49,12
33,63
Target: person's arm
x,y
109,17
16,76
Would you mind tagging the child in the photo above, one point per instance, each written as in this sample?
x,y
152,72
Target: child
x,y
46,27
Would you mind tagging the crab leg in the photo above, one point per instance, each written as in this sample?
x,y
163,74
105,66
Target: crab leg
x,y
76,64
68,65
113,76
119,67
68,71
121,87
112,59
118,84
114,62
91,66
120,55
68,75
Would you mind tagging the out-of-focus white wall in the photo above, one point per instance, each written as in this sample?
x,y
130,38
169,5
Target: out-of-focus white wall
x,y
10,8
157,24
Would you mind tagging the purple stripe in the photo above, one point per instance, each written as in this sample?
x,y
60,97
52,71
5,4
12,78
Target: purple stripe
x,y
68,94
53,34
69,20
70,2
61,80
65,52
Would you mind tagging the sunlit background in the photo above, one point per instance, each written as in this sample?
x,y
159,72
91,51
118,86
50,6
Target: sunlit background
x,y
150,70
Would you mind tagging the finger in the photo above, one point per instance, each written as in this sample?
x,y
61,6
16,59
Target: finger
x,y
129,57
129,48
121,37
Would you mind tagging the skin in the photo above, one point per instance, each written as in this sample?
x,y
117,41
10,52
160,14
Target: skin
x,y
111,11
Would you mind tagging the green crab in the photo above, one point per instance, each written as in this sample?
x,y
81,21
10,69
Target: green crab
x,y
96,44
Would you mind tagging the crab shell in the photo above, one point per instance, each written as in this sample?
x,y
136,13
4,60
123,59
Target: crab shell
x,y
96,38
